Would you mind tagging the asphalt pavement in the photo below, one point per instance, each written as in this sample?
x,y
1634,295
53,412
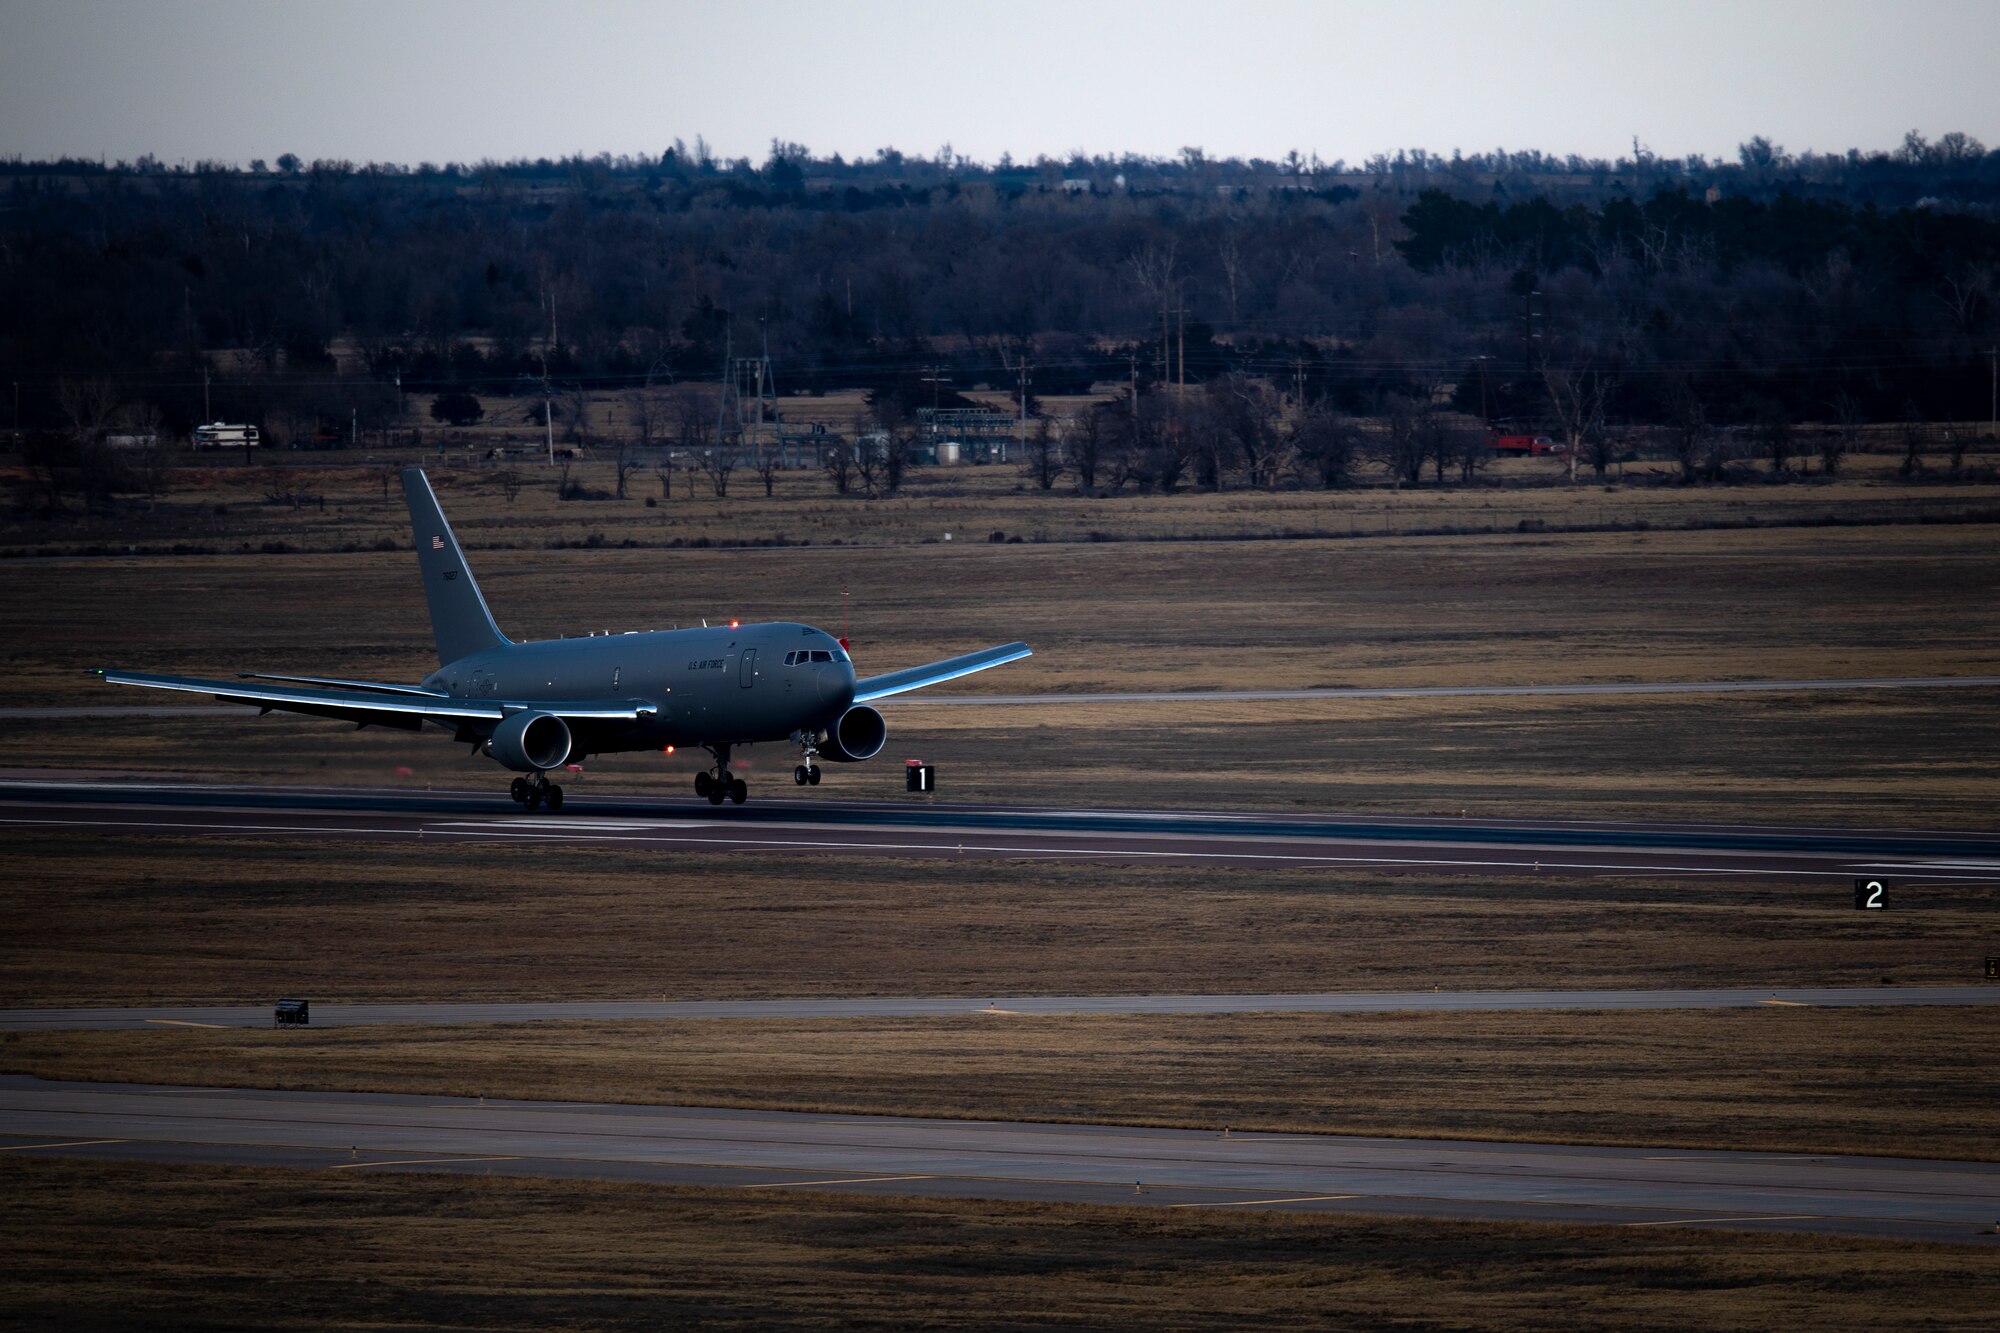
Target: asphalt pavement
x,y
820,826
772,1151
331,1015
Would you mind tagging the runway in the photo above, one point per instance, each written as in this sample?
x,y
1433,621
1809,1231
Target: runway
x,y
921,827
769,1151
932,700
155,1017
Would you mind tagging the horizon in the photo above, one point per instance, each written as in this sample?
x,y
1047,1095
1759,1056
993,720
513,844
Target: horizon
x,y
452,81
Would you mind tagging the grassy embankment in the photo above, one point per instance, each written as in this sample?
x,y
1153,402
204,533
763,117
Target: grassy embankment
x,y
292,1250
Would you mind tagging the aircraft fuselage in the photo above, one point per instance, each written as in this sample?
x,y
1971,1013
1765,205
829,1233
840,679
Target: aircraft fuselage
x,y
709,686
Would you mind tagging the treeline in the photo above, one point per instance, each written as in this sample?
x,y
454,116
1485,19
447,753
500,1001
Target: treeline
x,y
1578,297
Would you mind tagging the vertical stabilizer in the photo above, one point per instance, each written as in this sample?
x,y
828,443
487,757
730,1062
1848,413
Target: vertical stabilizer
x,y
459,617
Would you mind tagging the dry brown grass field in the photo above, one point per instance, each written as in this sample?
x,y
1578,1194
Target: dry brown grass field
x,y
1917,1082
134,920
222,504
294,1250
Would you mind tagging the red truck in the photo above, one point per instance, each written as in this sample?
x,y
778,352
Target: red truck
x,y
1530,445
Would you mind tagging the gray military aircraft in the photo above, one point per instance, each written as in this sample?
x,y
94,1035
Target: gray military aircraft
x,y
535,707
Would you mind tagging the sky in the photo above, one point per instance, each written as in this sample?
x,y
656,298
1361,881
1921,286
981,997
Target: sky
x,y
410,81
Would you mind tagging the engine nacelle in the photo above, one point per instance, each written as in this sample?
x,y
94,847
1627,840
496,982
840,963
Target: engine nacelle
x,y
860,734
531,742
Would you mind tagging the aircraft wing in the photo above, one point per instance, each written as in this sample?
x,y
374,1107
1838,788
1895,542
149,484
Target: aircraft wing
x,y
371,704
915,678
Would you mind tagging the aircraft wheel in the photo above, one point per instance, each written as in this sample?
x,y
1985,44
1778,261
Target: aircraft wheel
x,y
801,775
534,799
715,793
554,798
702,783
519,790
812,776
739,791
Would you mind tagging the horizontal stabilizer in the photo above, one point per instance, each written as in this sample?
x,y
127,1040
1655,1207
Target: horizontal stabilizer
x,y
916,678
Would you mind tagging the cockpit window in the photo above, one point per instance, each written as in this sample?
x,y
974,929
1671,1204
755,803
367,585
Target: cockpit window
x,y
839,656
822,655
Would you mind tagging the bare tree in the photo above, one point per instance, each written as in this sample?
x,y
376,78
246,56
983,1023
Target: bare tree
x,y
1402,443
642,410
1577,393
1834,444
82,458
623,466
1088,439
1687,426
1324,447
694,409
663,468
1774,432
573,410
1913,441
716,464
1044,461
837,461
766,468
510,484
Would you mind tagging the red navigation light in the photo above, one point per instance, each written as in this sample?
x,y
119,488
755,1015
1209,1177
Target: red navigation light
x,y
668,750
734,623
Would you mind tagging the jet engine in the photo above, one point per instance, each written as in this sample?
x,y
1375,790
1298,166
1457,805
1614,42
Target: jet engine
x,y
533,742
860,734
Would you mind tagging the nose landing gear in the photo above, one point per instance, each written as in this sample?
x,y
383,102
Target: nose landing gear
x,y
722,785
807,773
533,793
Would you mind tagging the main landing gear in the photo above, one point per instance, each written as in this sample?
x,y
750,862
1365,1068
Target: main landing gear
x,y
534,792
721,785
807,773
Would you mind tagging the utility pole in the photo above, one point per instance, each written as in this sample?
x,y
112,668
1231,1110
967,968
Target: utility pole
x,y
763,374
1180,328
1528,331
728,385
548,406
204,394
1024,407
1992,422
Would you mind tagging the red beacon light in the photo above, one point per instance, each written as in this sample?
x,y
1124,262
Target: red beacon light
x,y
733,622
668,750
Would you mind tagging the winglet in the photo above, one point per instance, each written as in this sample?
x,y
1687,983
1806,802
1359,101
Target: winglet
x,y
459,618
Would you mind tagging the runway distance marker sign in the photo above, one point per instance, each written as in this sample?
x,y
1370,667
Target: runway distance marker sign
x,y
1871,894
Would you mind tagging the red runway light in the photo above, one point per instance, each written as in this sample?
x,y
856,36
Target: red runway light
x,y
668,750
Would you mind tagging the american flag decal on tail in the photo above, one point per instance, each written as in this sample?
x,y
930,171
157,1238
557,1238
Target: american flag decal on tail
x,y
437,543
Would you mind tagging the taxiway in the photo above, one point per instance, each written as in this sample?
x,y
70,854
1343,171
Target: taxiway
x,y
1164,1168
921,827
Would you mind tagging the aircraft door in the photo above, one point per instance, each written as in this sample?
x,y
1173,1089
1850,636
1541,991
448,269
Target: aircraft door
x,y
746,674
